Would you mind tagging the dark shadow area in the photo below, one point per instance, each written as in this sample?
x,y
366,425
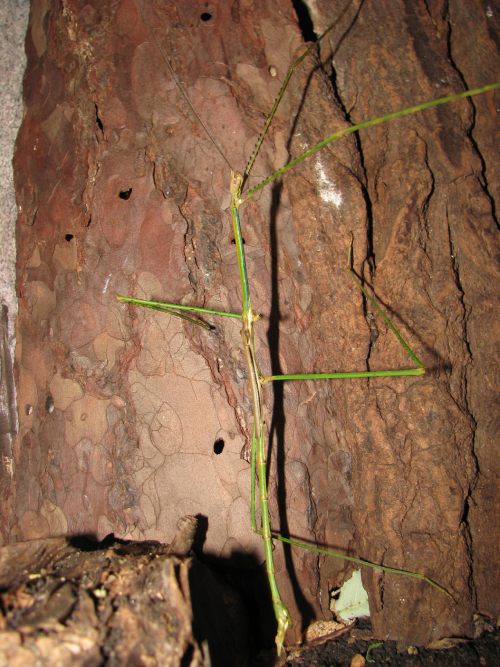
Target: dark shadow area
x,y
201,534
246,593
88,543
278,419
243,574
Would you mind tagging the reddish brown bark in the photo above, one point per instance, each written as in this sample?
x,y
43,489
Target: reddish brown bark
x,y
120,191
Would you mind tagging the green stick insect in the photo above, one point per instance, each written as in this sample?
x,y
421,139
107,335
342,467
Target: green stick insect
x,y
248,317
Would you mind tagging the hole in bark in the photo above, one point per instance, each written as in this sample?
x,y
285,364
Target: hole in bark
x,y
205,16
234,242
304,20
97,119
28,409
49,404
89,222
68,237
219,446
125,194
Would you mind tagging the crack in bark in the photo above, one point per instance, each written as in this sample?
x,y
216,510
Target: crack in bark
x,y
187,238
370,257
483,183
427,199
467,532
370,251
483,179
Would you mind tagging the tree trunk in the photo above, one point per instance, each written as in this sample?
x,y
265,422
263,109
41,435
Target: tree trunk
x,y
129,418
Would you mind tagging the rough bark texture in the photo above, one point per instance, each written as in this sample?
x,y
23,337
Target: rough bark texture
x,y
80,603
120,191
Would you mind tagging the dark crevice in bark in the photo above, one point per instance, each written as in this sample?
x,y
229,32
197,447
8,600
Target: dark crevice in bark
x,y
461,297
189,250
484,185
304,20
370,252
464,519
427,9
370,257
467,534
446,10
98,120
483,179
426,202
332,78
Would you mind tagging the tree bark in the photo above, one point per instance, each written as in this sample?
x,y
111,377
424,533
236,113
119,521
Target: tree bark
x,y
120,191
76,602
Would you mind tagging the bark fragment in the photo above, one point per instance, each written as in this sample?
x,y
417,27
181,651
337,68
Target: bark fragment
x,y
76,602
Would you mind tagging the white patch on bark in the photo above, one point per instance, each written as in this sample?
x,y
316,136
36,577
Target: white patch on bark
x,y
327,189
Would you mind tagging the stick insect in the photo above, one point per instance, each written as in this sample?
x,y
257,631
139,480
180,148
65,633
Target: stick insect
x,y
240,194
